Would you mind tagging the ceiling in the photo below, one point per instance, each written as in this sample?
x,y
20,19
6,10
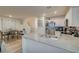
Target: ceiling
x,y
33,11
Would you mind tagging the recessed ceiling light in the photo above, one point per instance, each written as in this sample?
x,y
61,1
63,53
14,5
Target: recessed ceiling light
x,y
44,14
10,15
55,12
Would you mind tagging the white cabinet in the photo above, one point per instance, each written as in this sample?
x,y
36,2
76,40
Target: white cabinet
x,y
40,26
24,44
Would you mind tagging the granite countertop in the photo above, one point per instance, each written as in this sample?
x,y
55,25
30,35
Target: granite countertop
x,y
67,42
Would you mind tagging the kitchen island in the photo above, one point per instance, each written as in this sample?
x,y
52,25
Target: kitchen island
x,y
65,43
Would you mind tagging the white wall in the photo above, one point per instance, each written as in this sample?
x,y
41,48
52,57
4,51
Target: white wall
x,y
29,23
69,17
59,21
73,16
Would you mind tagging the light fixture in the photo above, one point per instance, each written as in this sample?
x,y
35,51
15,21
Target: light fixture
x,y
55,12
10,15
44,14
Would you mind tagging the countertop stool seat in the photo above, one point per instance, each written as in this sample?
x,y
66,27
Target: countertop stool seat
x,y
19,35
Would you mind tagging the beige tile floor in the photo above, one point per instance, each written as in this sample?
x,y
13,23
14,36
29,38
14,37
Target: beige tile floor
x,y
13,46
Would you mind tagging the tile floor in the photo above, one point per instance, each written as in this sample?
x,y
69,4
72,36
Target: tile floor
x,y
13,46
